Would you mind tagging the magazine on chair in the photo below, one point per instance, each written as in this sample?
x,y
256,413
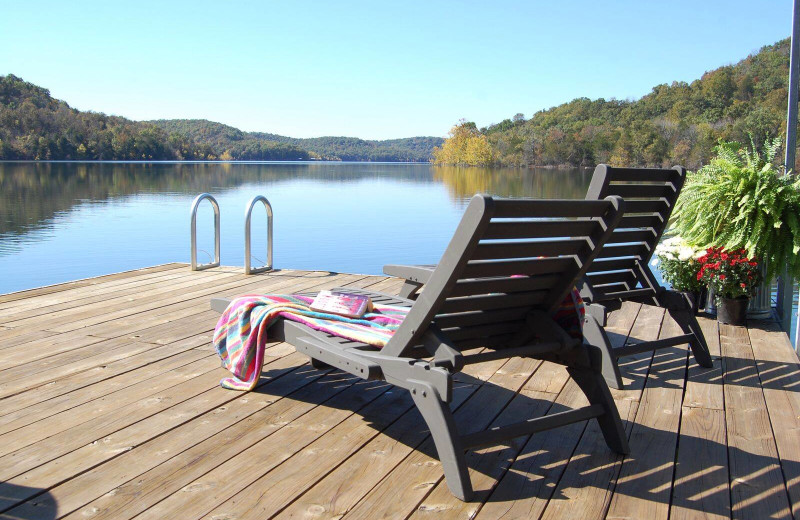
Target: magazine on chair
x,y
342,303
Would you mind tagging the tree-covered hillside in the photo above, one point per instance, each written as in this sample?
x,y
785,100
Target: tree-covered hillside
x,y
34,125
674,124
333,148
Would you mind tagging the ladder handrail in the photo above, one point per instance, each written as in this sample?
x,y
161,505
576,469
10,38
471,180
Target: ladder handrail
x,y
195,203
248,268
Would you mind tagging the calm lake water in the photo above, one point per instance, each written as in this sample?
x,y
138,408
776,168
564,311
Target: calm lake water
x,y
64,221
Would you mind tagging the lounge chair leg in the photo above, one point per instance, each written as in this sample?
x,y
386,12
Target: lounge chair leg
x,y
596,390
409,290
688,323
595,336
439,419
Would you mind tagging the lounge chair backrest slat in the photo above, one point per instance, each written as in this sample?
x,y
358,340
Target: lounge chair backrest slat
x,y
643,191
615,277
506,285
493,301
642,174
549,229
639,251
609,264
653,220
506,259
657,206
482,317
527,249
521,208
505,267
627,236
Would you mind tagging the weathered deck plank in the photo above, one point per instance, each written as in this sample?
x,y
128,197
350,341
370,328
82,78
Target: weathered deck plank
x,y
701,488
780,381
110,408
50,289
757,486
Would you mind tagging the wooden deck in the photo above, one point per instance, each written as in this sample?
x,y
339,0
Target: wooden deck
x,y
110,408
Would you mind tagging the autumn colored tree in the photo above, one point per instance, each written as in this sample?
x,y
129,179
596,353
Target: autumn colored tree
x,y
465,145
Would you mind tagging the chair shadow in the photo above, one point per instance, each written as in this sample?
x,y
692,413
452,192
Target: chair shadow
x,y
704,489
12,494
772,375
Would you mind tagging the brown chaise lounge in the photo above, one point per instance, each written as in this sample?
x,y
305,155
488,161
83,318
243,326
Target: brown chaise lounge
x,y
476,308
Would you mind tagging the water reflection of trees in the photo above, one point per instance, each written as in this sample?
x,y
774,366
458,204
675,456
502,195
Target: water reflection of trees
x,y
31,194
463,183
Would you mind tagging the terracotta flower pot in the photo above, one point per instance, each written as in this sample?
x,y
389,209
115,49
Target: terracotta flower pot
x,y
732,310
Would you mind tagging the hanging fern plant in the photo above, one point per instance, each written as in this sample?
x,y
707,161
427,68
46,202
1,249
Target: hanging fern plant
x,y
740,200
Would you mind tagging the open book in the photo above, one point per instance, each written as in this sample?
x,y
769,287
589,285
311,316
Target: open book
x,y
343,303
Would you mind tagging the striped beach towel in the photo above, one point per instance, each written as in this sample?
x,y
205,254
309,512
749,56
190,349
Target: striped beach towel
x,y
241,332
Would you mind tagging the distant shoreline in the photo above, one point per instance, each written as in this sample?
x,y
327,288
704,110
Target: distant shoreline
x,y
111,161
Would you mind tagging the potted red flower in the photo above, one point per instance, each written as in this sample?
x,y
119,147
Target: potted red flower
x,y
733,277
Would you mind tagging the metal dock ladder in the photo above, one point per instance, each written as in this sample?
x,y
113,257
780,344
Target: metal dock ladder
x,y
248,267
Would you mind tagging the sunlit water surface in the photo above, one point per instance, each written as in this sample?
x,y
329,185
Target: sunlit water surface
x,y
63,221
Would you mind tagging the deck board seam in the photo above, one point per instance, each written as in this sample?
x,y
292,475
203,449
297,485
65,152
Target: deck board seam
x,y
670,499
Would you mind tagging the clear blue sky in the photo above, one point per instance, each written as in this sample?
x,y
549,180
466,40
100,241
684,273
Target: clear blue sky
x,y
369,69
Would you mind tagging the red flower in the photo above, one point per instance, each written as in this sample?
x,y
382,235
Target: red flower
x,y
744,285
722,277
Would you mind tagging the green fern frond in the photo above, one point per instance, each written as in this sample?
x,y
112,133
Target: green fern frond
x,y
740,200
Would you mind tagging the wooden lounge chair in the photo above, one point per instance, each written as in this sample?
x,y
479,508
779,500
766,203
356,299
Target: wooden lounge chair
x,y
476,307
622,271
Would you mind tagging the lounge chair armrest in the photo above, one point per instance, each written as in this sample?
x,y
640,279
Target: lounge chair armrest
x,y
415,273
443,352
404,372
598,312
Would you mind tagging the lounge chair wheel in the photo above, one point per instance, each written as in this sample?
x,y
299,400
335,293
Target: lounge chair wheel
x,y
319,365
